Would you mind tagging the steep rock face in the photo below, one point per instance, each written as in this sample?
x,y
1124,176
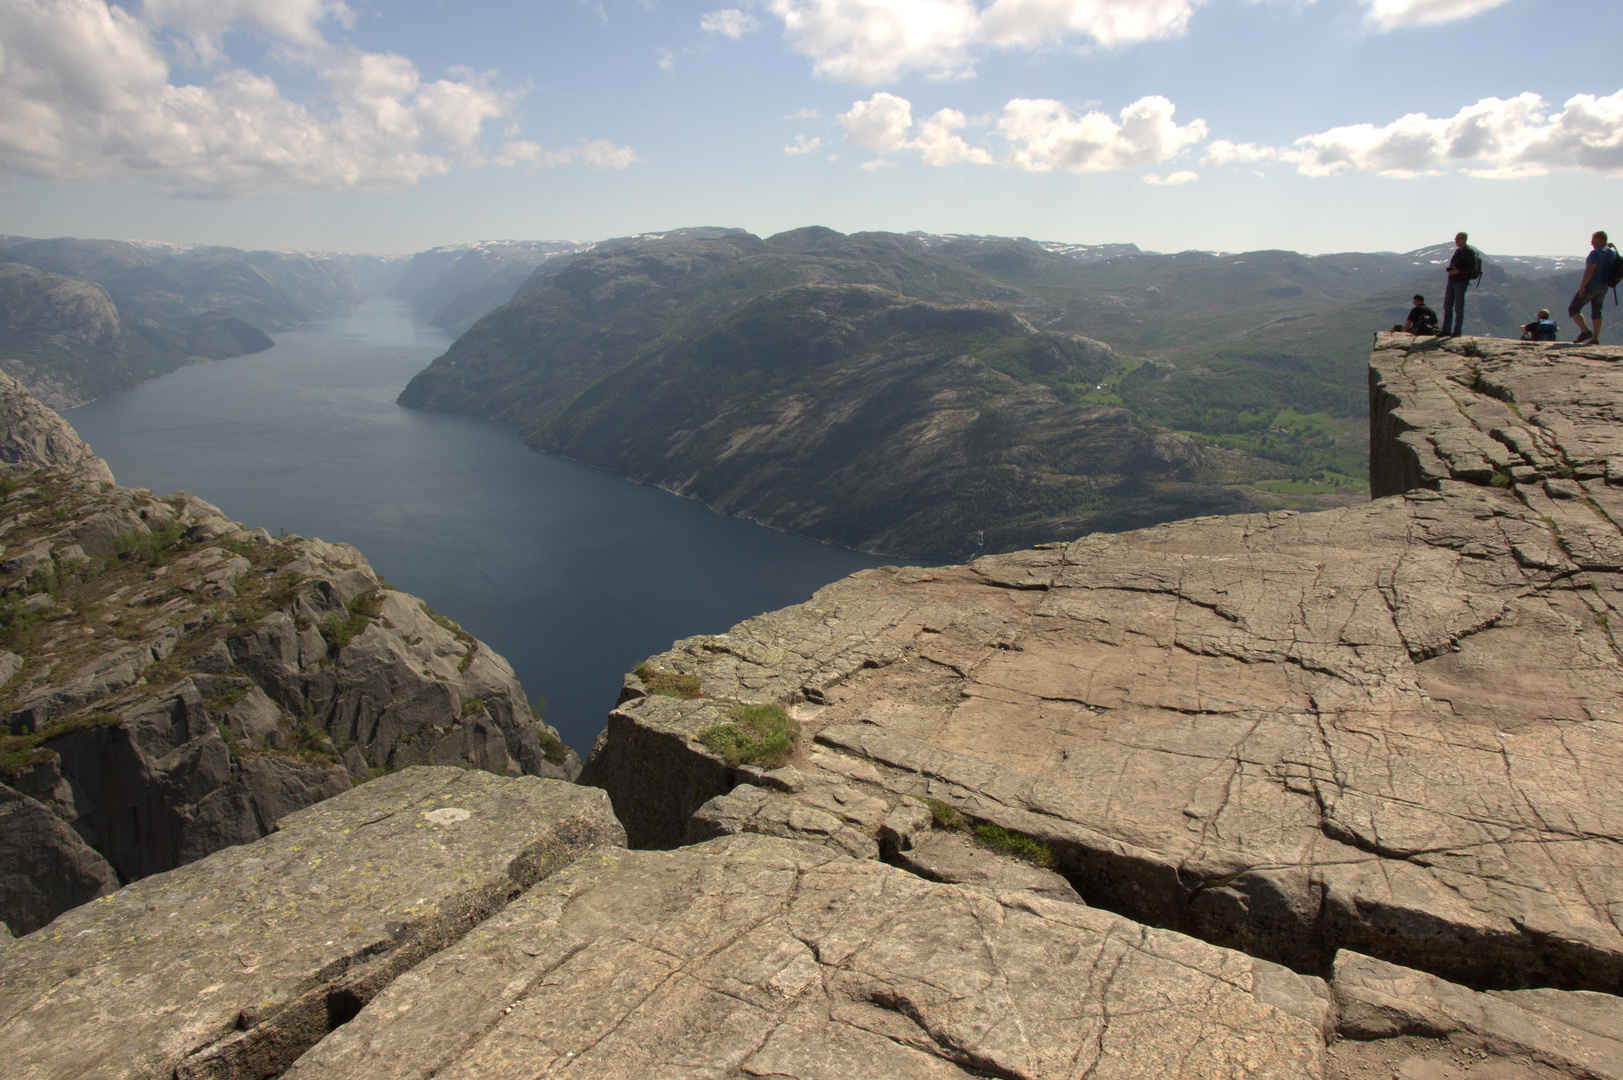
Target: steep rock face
x,y
1391,728
45,867
34,437
175,682
232,966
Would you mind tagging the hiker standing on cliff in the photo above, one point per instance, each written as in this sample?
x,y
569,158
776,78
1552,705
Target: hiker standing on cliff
x,y
1463,268
1592,287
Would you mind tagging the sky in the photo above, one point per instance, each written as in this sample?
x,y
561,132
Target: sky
x,y
391,127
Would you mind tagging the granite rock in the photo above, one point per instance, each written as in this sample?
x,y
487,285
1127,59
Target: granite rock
x,y
757,956
235,964
1577,1032
1391,728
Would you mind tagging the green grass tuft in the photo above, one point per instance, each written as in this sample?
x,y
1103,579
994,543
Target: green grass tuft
x,y
669,683
760,735
946,815
998,839
552,747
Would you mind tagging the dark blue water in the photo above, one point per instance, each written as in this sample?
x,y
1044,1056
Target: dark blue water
x,y
573,574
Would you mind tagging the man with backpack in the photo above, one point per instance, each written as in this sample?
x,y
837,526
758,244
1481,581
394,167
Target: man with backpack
x,y
1602,270
1540,329
1421,320
1464,268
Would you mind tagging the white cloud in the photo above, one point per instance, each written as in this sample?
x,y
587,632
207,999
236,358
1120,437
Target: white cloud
x,y
664,59
86,92
1110,23
1391,14
876,41
1183,176
803,145
870,41
884,123
1045,137
1041,134
205,22
1494,138
939,146
804,114
1223,152
880,124
729,22
594,154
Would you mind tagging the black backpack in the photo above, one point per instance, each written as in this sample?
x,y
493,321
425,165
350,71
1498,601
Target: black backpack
x,y
1614,276
1474,273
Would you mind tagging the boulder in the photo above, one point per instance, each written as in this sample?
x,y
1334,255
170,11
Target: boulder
x,y
758,956
233,965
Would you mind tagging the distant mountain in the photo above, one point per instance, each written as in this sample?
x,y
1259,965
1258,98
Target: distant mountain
x,y
453,287
82,318
864,390
780,379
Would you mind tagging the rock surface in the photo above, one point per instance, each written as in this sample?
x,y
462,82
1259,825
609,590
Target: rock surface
x,y
753,956
234,965
1392,728
175,682
1579,1033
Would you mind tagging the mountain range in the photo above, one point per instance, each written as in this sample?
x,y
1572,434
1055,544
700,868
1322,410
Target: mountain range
x,y
940,396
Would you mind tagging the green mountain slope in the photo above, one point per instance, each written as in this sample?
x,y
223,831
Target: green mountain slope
x,y
863,390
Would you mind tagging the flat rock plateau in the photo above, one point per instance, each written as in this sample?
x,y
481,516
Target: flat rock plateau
x,y
1329,795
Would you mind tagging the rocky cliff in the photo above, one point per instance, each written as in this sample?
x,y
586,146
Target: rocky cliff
x,y
1327,796
175,683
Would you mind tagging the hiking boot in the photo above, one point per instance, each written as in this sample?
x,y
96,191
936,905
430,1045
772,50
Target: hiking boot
x,y
1587,335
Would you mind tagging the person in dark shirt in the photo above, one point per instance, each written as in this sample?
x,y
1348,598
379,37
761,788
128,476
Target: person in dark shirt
x,y
1460,269
1592,288
1421,320
1541,329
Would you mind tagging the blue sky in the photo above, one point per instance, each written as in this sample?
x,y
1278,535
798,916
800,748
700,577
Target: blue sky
x,y
1318,125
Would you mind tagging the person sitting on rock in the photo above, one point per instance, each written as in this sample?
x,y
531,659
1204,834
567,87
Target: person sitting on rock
x,y
1541,329
1592,287
1421,319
